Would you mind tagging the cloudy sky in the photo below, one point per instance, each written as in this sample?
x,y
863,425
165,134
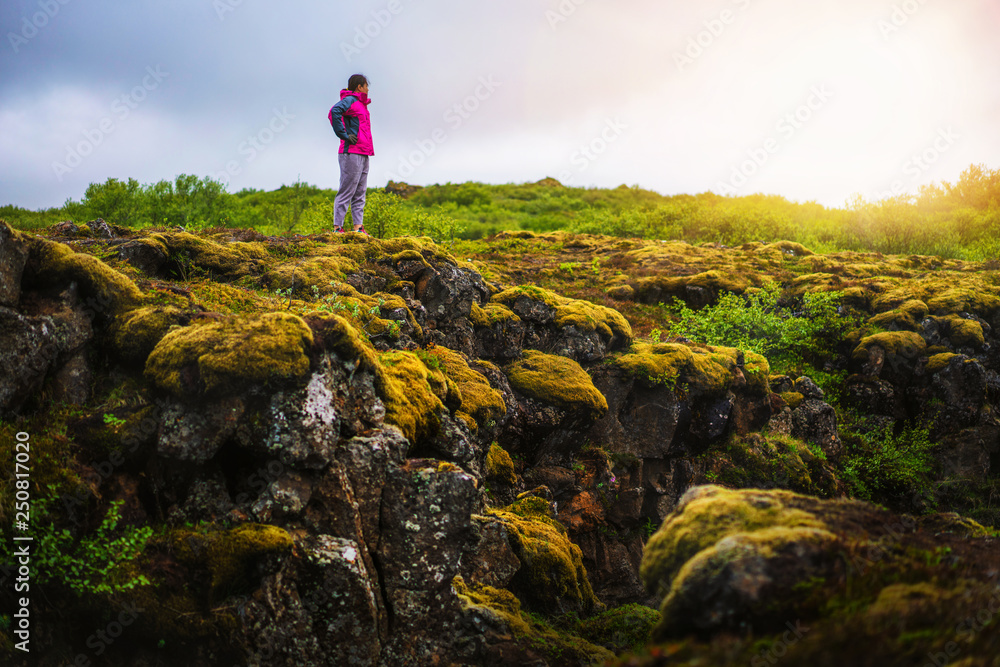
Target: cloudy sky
x,y
811,100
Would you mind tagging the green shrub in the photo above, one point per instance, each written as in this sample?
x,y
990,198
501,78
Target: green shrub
x,y
94,564
786,332
888,468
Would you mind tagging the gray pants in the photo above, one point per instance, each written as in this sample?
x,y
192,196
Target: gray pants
x,y
353,184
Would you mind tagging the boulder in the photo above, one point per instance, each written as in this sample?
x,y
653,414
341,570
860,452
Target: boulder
x,y
13,256
816,423
321,609
424,530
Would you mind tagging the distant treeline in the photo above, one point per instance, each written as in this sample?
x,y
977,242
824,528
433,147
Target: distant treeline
x,y
960,219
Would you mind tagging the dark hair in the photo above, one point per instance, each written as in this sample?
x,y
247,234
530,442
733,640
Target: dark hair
x,y
356,81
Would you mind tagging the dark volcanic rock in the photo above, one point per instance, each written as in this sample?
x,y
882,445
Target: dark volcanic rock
x,y
13,256
321,609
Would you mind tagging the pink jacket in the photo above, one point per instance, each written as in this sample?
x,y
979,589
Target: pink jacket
x,y
351,117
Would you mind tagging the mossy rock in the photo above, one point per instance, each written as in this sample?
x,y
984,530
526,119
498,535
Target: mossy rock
x,y
413,394
906,344
410,255
491,313
715,281
907,316
708,370
230,355
552,575
502,609
756,460
220,563
336,334
103,290
738,557
232,555
499,466
708,515
228,261
480,401
583,315
305,274
792,399
963,332
556,380
134,335
365,311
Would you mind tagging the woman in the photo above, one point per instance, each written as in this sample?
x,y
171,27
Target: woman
x,y
352,124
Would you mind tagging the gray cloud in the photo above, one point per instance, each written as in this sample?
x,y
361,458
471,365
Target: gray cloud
x,y
560,71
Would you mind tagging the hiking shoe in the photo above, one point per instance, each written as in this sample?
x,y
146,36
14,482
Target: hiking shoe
x,y
338,230
361,230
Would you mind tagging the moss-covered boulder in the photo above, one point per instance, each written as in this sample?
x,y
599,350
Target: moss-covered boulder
x,y
231,355
696,290
136,333
499,331
480,402
552,577
226,563
414,394
104,292
512,636
890,355
190,255
574,328
558,381
499,466
702,370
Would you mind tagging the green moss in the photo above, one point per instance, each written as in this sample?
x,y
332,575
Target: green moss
x,y
714,514
906,344
224,562
792,399
793,249
229,261
499,466
231,354
410,255
907,316
552,570
423,245
899,600
103,289
412,394
231,555
503,609
625,628
939,362
962,332
943,295
556,380
662,287
310,272
709,370
491,313
134,335
480,401
584,315
336,334
757,460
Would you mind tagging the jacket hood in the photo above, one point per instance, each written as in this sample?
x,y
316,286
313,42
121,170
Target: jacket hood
x,y
362,97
